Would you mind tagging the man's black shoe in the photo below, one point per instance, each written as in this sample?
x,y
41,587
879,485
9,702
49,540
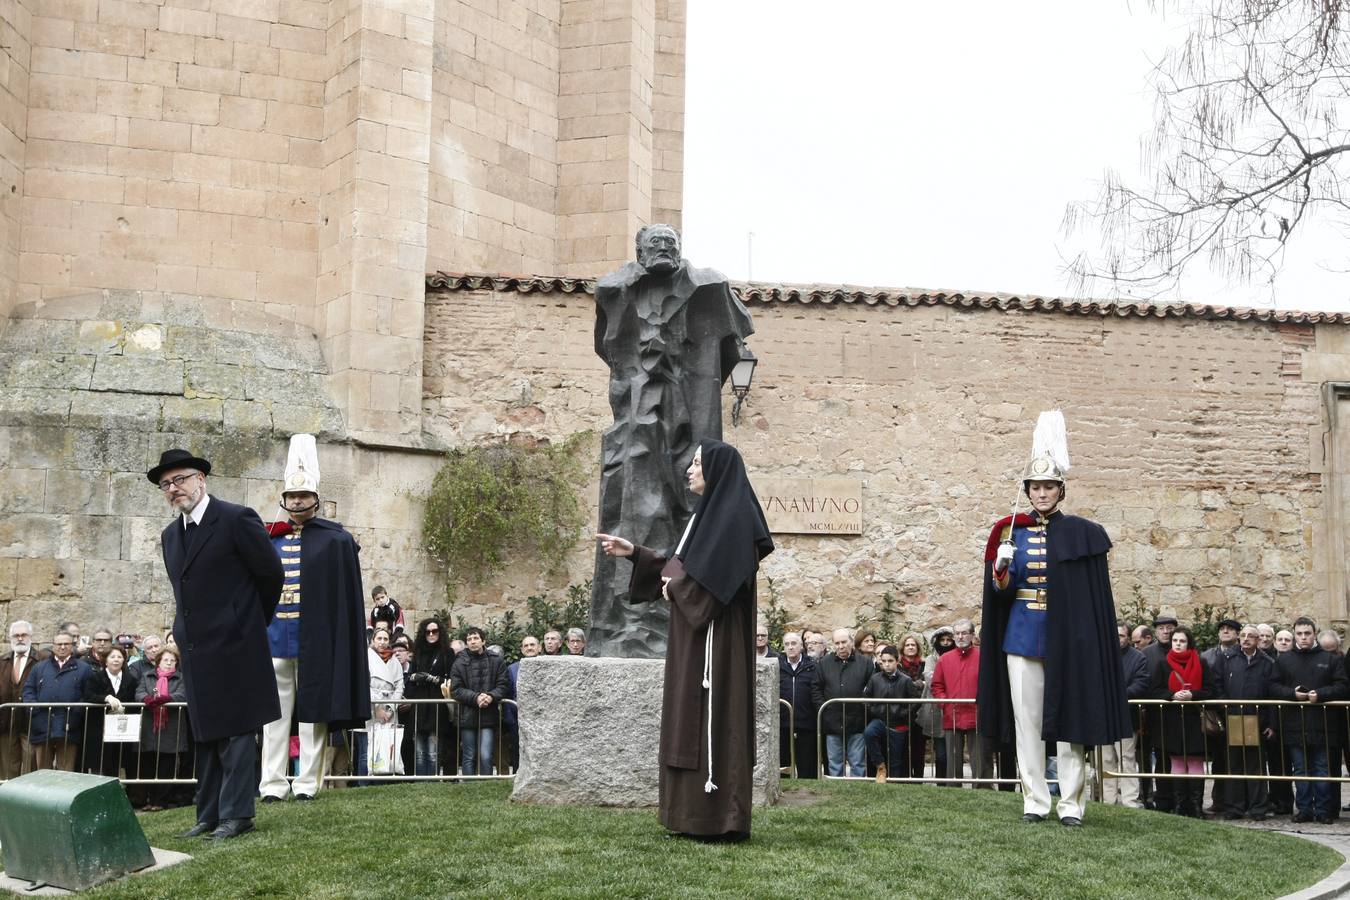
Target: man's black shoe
x,y
232,828
304,798
1324,820
199,829
1302,816
1071,822
1032,818
270,799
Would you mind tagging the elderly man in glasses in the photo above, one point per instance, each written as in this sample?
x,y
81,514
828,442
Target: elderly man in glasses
x,y
54,732
226,581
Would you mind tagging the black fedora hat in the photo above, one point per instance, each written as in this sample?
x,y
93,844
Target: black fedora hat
x,y
176,458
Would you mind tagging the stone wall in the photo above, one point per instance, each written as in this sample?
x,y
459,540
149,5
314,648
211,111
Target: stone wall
x,y
96,386
1197,441
312,160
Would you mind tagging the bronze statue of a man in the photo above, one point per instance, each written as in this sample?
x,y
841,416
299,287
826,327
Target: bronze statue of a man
x,y
670,334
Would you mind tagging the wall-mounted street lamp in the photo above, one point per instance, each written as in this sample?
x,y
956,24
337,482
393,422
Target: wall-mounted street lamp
x,y
741,376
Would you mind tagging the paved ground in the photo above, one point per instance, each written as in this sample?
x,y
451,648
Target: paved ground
x,y
1335,836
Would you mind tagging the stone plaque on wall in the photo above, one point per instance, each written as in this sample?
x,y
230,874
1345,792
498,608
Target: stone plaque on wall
x,y
811,505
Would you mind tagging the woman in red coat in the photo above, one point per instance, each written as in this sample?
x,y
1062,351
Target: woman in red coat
x,y
1182,676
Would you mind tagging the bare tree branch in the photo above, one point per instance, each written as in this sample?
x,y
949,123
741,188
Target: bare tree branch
x,y
1246,148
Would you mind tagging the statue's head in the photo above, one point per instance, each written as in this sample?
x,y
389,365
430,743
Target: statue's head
x,y
658,248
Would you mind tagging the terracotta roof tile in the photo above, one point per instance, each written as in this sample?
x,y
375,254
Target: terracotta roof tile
x,y
762,293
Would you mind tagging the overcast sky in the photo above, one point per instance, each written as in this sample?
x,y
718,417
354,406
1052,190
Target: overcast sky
x,y
898,143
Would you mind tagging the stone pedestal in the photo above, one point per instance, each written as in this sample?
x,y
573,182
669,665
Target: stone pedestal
x,y
590,728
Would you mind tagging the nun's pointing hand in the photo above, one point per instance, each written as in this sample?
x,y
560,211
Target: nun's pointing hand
x,y
613,545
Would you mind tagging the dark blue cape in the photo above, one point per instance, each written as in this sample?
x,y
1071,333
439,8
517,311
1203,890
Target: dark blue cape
x,y
1084,687
334,681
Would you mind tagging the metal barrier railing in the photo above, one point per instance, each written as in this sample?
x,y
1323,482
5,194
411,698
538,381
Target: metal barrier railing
x,y
1259,738
1266,754
81,744
502,769
995,761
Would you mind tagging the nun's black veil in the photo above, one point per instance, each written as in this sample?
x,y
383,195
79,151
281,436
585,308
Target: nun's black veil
x,y
729,535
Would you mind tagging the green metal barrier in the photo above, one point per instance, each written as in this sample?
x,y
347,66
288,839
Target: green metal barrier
x,y
69,830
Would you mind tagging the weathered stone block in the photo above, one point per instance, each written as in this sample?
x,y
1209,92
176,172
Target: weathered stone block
x,y
100,337
129,494
47,579
41,336
67,372
9,574
201,416
217,380
290,418
95,411
138,375
192,343
77,491
96,537
22,490
36,446
35,407
590,730
120,581
144,340
115,449
140,534
32,535
242,415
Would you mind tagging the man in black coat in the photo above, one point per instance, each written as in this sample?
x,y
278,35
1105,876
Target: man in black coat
x,y
1159,794
317,636
226,582
1245,673
479,682
796,673
842,675
1308,674
1123,756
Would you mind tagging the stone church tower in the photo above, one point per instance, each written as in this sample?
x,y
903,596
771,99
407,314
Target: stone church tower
x,y
217,218
310,161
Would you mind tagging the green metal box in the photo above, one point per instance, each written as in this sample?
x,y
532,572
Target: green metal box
x,y
69,830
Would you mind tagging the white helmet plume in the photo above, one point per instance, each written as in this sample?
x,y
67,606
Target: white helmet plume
x,y
1051,439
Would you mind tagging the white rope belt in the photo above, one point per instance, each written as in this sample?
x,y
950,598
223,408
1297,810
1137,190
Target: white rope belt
x,y
708,786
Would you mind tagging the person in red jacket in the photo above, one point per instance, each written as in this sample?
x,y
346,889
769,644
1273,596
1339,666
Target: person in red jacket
x,y
957,677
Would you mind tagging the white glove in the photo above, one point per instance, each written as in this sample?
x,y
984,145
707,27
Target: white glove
x,y
113,703
1006,551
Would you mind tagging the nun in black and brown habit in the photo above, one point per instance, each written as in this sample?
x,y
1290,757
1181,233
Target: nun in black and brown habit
x,y
707,718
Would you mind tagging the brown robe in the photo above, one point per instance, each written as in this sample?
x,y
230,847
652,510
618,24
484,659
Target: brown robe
x,y
685,806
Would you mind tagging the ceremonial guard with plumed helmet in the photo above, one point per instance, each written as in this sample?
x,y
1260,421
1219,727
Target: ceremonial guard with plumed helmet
x,y
1048,635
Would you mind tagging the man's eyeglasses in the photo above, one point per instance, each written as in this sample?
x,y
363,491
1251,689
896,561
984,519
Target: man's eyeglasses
x,y
64,644
176,481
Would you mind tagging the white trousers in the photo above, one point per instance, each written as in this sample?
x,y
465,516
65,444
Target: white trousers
x,y
276,750
1119,757
1026,678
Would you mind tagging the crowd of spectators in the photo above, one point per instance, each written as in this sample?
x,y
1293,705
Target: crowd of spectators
x,y
110,673
914,715
1173,735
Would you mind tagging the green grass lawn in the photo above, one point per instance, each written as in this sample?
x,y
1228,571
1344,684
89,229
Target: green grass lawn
x,y
432,840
